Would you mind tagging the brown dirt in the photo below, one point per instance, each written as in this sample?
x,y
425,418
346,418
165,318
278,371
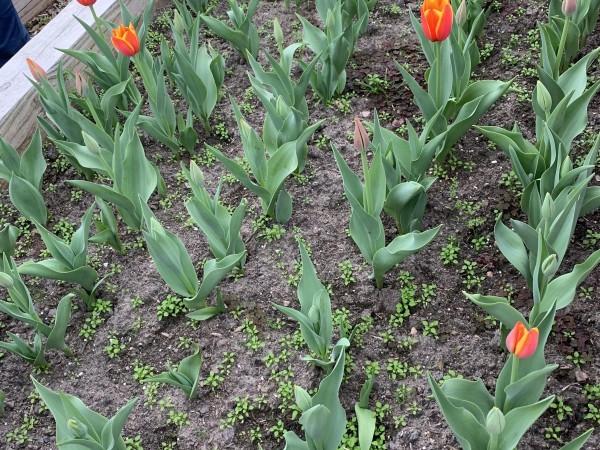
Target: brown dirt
x,y
465,343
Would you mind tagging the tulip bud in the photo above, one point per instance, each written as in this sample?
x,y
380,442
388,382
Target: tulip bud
x,y
569,7
550,266
196,174
329,21
548,208
6,281
81,84
461,13
303,398
495,421
521,341
178,23
566,166
91,143
80,429
282,108
278,33
361,138
543,97
36,70
313,314
245,129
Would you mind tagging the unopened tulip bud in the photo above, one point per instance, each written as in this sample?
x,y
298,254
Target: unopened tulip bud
x,y
566,166
81,84
548,208
303,398
278,33
521,341
80,429
330,21
461,13
245,129
550,266
543,97
313,314
495,421
36,70
361,137
6,281
569,7
178,23
282,108
196,174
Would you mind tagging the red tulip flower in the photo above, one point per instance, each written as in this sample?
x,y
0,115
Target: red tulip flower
x,y
125,40
436,18
36,70
522,342
86,2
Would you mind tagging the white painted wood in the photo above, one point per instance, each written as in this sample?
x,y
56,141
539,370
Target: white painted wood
x,y
19,105
28,9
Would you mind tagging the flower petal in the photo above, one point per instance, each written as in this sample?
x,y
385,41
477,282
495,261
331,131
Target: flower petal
x,y
528,344
444,26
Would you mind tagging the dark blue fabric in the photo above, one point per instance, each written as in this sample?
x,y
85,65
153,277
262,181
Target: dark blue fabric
x,y
13,34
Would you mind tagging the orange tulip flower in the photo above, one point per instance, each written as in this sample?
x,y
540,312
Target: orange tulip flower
x,y
86,2
36,70
436,19
125,40
522,342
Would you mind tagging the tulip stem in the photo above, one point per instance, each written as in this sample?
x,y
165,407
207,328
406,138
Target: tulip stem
x,y
97,20
438,75
561,48
365,168
514,376
493,444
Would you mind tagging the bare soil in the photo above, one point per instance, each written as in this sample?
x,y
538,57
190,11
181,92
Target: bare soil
x,y
466,342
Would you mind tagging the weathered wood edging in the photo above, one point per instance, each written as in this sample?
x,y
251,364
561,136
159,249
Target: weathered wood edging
x,y
29,9
18,99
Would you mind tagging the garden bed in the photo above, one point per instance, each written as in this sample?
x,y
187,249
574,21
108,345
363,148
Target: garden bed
x,y
253,347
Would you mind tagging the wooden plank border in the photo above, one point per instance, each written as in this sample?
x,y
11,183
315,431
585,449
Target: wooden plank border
x,y
19,105
29,9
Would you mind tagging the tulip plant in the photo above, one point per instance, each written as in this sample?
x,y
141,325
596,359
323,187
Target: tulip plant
x,y
323,416
480,420
185,376
8,240
171,129
108,71
222,229
69,260
175,266
449,51
64,121
185,13
351,10
123,160
284,100
333,46
366,202
569,24
22,308
556,192
79,427
243,35
24,174
314,317
198,72
269,174
107,228
405,164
